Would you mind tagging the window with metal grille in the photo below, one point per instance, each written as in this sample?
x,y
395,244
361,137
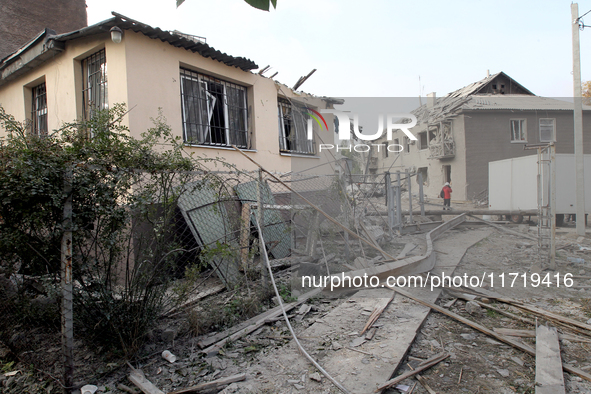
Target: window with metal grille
x,y
518,130
547,129
39,110
94,92
215,112
293,132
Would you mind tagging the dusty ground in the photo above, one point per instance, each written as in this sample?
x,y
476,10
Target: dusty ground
x,y
477,363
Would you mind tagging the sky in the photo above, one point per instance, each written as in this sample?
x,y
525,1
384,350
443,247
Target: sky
x,y
383,48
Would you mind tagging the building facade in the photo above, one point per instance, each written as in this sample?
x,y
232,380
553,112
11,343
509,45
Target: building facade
x,y
492,119
210,99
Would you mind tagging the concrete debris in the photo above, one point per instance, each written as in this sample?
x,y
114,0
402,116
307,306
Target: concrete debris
x,y
316,377
473,308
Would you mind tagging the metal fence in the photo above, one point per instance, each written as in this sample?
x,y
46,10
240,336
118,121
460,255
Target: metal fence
x,y
101,304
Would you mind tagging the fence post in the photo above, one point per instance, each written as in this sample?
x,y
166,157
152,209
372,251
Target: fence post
x,y
408,182
399,202
345,204
67,300
421,195
264,272
389,201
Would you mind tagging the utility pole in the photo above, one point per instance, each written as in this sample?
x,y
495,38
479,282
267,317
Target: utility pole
x,y
578,122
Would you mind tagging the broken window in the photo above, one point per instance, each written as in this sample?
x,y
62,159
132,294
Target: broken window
x,y
39,110
547,126
518,130
423,171
215,112
94,93
423,140
293,133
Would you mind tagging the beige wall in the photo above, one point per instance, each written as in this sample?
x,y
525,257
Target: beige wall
x,y
144,74
63,80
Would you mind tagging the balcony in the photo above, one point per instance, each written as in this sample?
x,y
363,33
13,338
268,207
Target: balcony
x,y
442,150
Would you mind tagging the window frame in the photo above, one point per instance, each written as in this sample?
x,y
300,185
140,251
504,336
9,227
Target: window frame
x,y
95,89
553,139
294,119
420,143
523,130
39,110
214,111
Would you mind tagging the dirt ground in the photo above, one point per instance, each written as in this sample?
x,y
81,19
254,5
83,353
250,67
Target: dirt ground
x,y
477,363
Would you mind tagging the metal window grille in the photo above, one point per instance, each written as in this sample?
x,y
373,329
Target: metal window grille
x,y
546,129
39,109
95,92
293,129
215,112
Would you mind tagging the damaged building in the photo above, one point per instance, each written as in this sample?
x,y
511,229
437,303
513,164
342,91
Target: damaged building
x,y
209,98
488,120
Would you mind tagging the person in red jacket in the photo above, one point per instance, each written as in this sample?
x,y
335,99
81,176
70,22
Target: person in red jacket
x,y
446,194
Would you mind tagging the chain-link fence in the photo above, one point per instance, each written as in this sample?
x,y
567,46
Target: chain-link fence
x,y
158,249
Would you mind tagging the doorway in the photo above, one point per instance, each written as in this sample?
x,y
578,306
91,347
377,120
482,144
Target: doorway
x,y
446,173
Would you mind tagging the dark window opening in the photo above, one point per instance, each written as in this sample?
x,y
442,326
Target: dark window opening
x,y
423,140
293,132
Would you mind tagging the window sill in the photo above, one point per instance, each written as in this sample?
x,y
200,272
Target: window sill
x,y
299,155
218,147
519,142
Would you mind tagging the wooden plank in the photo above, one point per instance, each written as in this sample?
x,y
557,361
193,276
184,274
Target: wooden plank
x,y
423,383
533,309
506,313
523,235
211,385
549,376
257,322
138,378
428,364
193,300
519,345
377,312
532,334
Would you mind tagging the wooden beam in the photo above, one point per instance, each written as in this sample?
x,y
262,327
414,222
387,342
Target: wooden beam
x,y
211,385
532,334
523,235
426,365
377,312
257,322
138,378
549,376
519,345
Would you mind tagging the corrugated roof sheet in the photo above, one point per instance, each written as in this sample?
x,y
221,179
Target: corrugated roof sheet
x,y
517,102
174,39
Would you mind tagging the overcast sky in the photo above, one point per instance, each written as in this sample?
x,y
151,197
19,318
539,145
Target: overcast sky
x,y
380,48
